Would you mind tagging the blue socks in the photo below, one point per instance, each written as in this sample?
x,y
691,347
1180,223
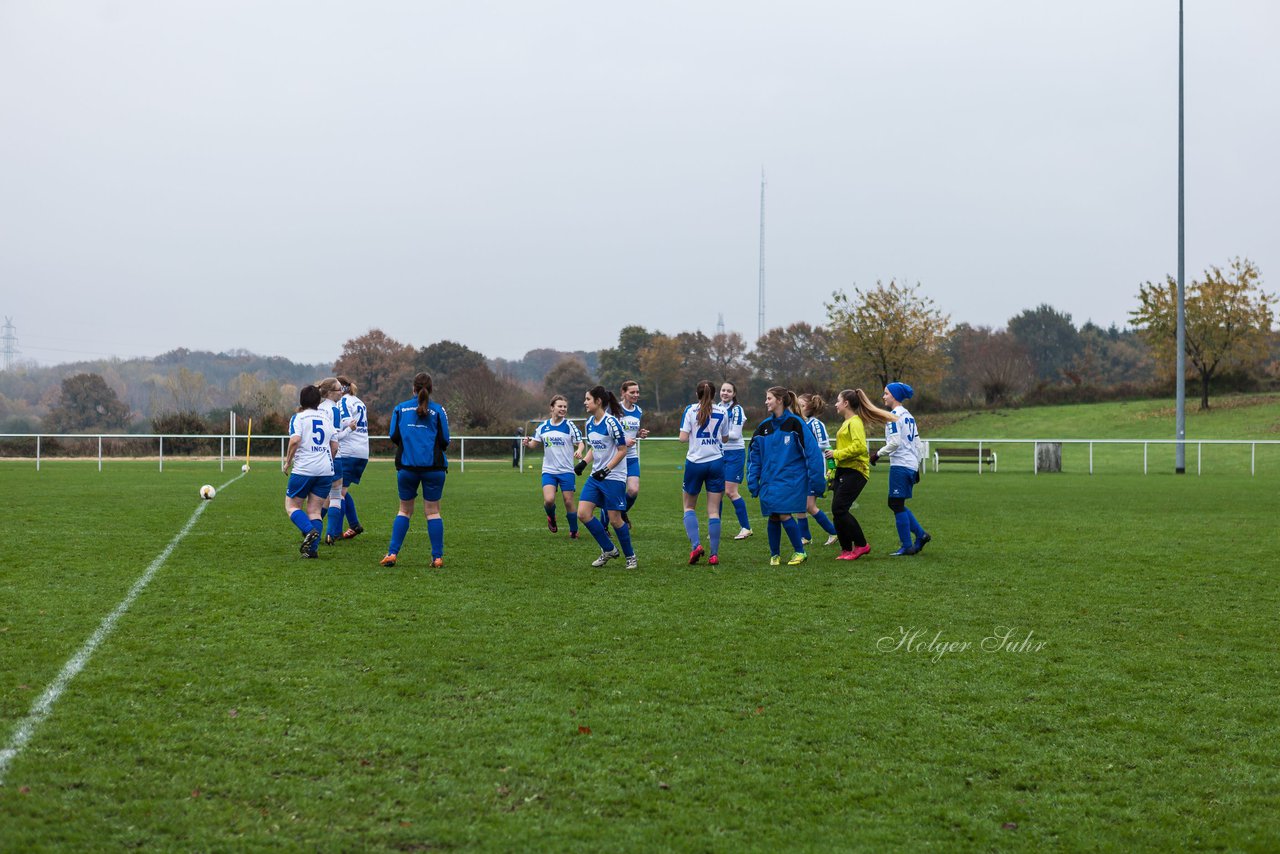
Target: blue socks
x,y
573,522
775,538
793,533
824,522
631,500
740,507
691,527
903,522
915,526
713,534
550,507
335,521
300,519
803,524
435,530
349,508
399,528
624,539
598,531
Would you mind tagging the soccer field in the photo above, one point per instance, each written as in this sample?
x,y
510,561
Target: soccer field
x,y
1080,662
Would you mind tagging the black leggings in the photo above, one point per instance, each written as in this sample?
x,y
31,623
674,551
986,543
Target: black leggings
x,y
846,489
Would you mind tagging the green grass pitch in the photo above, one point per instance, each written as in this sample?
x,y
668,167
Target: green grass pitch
x,y
1075,662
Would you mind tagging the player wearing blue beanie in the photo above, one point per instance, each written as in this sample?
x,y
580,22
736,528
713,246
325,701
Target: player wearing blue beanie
x,y
902,447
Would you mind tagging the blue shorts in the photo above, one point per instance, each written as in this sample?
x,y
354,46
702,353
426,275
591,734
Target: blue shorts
x,y
609,494
735,465
563,481
710,474
432,483
901,479
351,468
302,485
633,466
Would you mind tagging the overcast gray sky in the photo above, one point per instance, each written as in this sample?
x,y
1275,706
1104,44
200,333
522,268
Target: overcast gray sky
x,y
284,176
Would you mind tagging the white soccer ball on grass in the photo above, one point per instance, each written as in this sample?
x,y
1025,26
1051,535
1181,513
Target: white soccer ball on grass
x,y
207,492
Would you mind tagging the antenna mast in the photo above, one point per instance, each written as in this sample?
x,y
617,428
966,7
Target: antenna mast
x,y
760,330
10,341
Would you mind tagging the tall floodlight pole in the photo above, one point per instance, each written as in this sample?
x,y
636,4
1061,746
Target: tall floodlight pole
x,y
1180,427
760,325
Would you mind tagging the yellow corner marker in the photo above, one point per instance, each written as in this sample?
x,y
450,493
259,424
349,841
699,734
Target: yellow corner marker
x,y
248,440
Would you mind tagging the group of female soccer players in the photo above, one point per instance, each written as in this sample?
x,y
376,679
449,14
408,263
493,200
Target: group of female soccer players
x,y
788,467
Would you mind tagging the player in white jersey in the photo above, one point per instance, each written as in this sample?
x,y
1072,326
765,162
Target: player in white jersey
x,y
330,394
309,462
607,486
703,428
902,447
812,406
353,457
630,418
735,455
563,450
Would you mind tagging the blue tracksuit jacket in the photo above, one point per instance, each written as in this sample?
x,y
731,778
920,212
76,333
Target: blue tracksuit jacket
x,y
784,464
420,445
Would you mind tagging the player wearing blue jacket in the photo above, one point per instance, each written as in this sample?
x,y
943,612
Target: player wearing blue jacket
x,y
784,467
420,431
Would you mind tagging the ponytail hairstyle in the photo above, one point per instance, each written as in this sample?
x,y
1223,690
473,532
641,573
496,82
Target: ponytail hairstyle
x,y
786,395
733,386
706,397
603,395
422,388
329,385
309,398
862,407
812,405
348,387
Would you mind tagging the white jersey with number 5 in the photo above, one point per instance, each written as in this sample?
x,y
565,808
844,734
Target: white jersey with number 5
x,y
315,428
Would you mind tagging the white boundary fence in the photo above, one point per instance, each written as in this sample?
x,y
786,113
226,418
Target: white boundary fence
x,y
227,446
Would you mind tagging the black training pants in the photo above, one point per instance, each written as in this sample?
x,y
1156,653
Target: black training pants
x,y
846,489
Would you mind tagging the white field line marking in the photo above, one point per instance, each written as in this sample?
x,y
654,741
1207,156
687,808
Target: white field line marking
x,y
43,706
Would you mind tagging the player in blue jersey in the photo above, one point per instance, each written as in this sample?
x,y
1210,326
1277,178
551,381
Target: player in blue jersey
x,y
630,419
703,428
309,463
902,447
735,455
564,448
812,406
607,486
784,467
420,431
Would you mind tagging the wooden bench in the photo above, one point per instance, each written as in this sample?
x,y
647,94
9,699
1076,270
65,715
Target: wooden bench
x,y
982,457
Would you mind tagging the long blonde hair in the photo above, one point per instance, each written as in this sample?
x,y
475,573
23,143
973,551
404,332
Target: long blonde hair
x,y
862,407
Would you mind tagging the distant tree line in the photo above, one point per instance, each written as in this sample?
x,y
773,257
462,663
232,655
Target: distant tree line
x,y
867,338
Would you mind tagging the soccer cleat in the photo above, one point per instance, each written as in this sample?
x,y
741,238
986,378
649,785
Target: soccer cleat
x,y
743,534
389,560
797,559
329,539
804,541
695,554
905,551
311,555
922,542
714,560
774,560
352,533
605,557
309,541
860,551
831,540
437,562
632,562
573,535
551,525
849,555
